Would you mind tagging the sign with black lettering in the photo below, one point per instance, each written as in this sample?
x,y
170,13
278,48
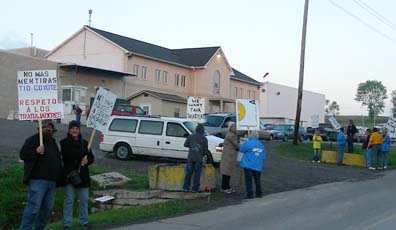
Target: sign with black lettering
x,y
101,110
38,95
196,109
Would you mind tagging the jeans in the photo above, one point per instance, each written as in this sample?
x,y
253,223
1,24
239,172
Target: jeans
x,y
316,155
191,167
367,157
249,175
384,159
225,182
68,201
340,152
40,200
375,153
350,143
78,118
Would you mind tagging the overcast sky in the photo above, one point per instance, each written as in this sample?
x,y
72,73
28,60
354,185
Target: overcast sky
x,y
257,36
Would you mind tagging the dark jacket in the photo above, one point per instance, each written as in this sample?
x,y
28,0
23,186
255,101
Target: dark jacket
x,y
351,130
197,144
36,166
73,151
365,142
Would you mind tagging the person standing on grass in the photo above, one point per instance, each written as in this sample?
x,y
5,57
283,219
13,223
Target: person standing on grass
x,y
317,139
42,171
197,145
340,144
385,150
376,143
228,162
252,163
351,130
367,151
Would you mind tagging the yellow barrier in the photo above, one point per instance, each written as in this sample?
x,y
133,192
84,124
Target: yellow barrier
x,y
171,177
349,158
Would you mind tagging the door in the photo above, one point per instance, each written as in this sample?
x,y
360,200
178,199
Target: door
x,y
175,136
149,138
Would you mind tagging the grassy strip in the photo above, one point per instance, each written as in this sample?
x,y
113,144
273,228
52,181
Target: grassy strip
x,y
304,151
127,215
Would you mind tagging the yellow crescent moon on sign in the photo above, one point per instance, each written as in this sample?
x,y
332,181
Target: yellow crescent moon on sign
x,y
242,111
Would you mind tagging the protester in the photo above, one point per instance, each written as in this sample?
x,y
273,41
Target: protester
x,y
42,170
351,130
340,144
76,159
229,158
376,143
317,139
252,163
78,111
367,151
385,150
198,146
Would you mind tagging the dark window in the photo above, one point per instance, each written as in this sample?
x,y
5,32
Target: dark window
x,y
140,111
123,125
175,130
151,127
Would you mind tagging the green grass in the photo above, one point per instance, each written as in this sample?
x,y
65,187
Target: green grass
x,y
359,120
304,151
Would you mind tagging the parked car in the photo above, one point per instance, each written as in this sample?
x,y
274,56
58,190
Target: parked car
x,y
359,135
271,134
288,131
124,110
326,131
128,136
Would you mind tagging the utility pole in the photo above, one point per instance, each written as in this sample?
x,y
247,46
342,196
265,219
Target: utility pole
x,y
301,75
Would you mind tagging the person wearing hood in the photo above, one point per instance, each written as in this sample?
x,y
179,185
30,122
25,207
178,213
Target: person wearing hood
x,y
42,171
228,163
76,159
198,146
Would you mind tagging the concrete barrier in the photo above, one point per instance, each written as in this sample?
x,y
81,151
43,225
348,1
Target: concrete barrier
x,y
349,158
171,177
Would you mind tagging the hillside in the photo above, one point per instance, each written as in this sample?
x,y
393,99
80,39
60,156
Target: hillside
x,y
359,120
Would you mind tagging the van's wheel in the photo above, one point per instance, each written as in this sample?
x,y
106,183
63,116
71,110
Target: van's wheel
x,y
123,151
207,158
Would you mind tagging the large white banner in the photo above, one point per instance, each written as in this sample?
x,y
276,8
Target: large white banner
x,y
196,109
247,114
101,110
38,95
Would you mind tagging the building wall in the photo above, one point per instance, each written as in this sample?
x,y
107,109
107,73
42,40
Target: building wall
x,y
281,101
155,104
246,88
10,64
168,109
99,53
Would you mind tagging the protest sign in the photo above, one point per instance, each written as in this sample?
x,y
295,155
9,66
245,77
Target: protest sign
x,y
196,109
391,124
247,114
315,121
334,123
101,110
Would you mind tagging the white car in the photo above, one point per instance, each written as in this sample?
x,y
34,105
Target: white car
x,y
127,136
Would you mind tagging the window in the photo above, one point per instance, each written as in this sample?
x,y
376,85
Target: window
x,y
177,76
140,111
175,130
216,79
157,76
66,95
151,127
177,112
136,70
183,81
248,94
240,93
165,77
235,92
146,109
254,95
144,72
123,125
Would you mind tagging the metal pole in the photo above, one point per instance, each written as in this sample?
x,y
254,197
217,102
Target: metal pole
x,y
301,75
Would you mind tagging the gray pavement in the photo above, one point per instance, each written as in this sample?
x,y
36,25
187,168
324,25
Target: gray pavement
x,y
360,205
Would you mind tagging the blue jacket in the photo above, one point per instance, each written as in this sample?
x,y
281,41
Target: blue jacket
x,y
386,144
253,154
341,139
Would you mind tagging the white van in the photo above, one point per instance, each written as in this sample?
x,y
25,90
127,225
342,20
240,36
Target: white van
x,y
153,136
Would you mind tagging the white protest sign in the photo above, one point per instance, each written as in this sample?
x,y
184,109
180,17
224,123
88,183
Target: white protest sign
x,y
247,114
334,123
315,121
391,124
101,110
196,109
38,95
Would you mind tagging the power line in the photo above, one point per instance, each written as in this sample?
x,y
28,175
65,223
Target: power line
x,y
363,22
376,14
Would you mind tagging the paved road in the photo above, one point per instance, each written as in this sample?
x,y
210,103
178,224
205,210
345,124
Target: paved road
x,y
363,205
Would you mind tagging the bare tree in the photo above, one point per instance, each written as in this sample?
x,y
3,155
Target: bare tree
x,y
332,108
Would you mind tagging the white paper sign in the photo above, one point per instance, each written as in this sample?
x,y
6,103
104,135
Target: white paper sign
x,y
334,123
391,124
315,121
196,109
38,95
247,114
101,110
103,199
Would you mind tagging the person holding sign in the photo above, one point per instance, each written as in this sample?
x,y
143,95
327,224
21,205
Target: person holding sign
x,y
229,158
42,171
340,144
76,158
